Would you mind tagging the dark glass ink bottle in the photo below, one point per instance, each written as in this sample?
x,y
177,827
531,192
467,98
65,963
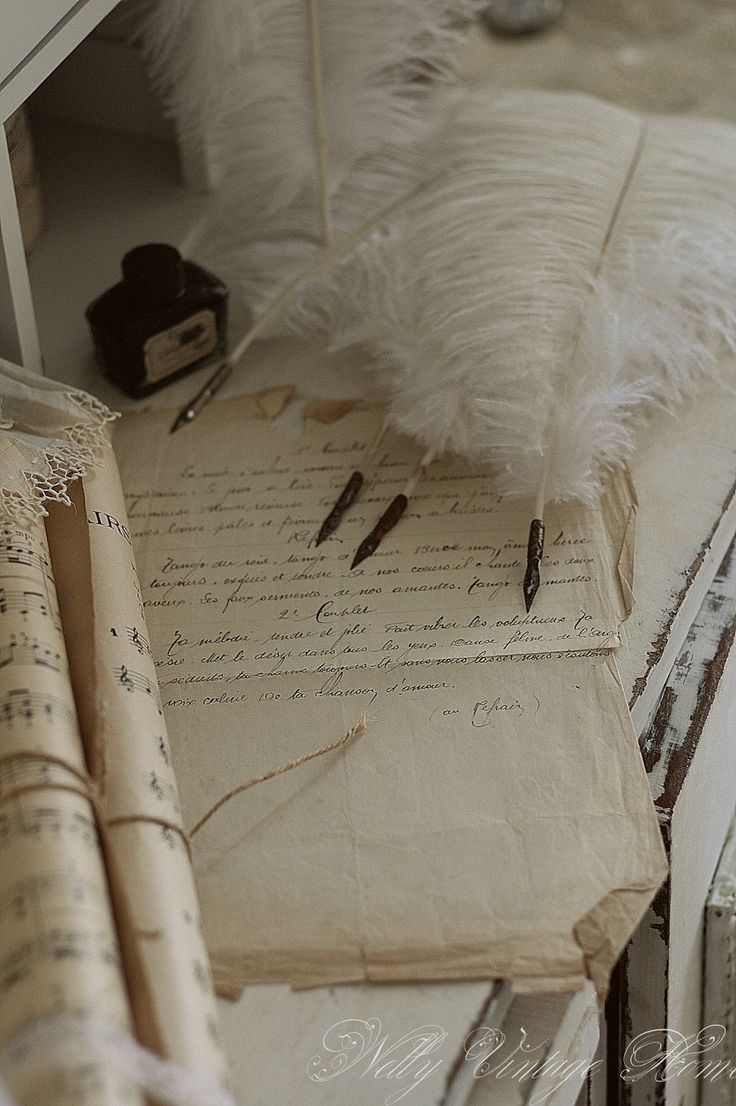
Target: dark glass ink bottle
x,y
164,318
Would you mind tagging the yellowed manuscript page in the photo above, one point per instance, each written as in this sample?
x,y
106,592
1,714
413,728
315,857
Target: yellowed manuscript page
x,y
494,820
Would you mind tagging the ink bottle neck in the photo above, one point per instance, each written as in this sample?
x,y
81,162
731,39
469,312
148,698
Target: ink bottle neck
x,y
154,274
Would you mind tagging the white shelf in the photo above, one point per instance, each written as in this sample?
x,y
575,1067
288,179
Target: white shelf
x,y
104,192
36,36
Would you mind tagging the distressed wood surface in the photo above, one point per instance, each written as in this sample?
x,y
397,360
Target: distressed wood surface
x,y
690,757
273,1034
550,1044
719,985
685,476
671,742
534,1047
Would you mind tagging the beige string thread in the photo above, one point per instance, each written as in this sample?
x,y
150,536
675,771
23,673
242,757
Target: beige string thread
x,y
23,789
45,758
355,731
87,789
150,819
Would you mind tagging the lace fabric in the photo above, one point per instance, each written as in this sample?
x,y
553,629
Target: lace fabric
x,y
50,435
31,1062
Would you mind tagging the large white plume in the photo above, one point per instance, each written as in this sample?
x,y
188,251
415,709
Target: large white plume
x,y
569,266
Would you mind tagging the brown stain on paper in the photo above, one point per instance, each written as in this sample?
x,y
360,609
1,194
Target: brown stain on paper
x,y
604,930
329,411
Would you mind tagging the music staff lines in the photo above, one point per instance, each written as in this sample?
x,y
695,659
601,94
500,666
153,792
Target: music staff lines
x,y
22,649
57,944
37,821
31,898
163,789
139,641
20,553
56,916
136,682
27,602
20,771
28,706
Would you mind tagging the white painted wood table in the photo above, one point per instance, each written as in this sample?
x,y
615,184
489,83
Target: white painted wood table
x,y
677,651
106,191
690,754
719,980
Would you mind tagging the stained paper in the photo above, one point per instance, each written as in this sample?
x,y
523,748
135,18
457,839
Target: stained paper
x,y
494,819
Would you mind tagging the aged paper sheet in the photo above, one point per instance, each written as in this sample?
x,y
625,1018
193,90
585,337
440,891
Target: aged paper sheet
x,y
494,823
225,522
494,820
121,718
59,953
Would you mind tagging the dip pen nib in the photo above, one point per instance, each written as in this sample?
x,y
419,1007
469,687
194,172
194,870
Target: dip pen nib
x,y
393,512
385,524
535,545
349,493
345,499
534,550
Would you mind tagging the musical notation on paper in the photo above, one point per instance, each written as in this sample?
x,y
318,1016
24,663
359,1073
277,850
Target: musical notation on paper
x,y
136,681
172,839
28,601
163,749
139,641
64,896
163,789
47,818
15,549
58,942
21,704
22,649
136,638
42,813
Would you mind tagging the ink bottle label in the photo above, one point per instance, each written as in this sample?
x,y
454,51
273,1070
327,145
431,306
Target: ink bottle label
x,y
180,345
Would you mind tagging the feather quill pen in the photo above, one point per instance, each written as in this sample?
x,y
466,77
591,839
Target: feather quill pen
x,y
294,98
310,112
570,266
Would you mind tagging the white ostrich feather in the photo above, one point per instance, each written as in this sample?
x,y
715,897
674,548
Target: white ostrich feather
x,y
238,73
570,266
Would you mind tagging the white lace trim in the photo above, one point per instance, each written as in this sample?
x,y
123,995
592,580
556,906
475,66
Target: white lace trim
x,y
35,1057
53,438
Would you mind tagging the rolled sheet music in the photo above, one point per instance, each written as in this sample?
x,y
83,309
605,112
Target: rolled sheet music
x,y
99,920
124,730
59,951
